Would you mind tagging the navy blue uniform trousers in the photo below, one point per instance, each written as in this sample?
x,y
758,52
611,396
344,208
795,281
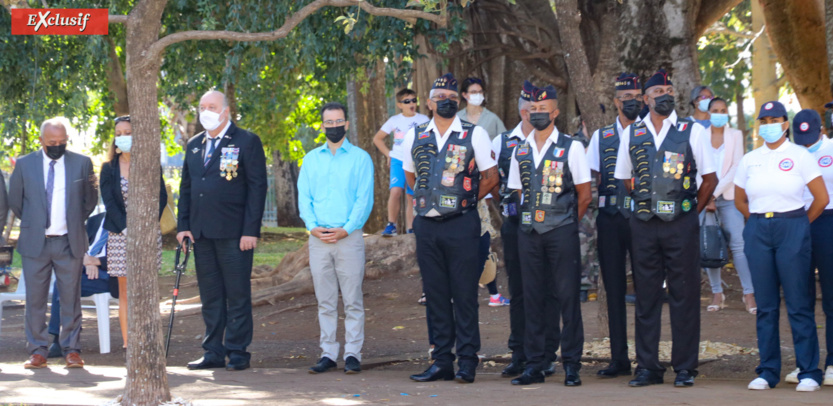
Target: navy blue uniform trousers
x,y
821,231
614,242
779,254
447,254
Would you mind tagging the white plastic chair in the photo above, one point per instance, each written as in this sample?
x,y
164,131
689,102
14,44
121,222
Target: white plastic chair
x,y
19,294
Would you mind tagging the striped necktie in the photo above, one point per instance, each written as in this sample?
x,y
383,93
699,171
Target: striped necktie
x,y
211,147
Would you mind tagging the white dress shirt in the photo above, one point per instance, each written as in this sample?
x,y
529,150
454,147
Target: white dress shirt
x,y
576,160
774,180
698,141
58,211
593,148
215,140
517,133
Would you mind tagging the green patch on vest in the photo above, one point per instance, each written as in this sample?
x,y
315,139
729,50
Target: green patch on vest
x,y
665,207
526,217
686,205
448,201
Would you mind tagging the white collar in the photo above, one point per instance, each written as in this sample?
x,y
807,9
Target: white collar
x,y
671,119
767,150
456,125
518,132
553,137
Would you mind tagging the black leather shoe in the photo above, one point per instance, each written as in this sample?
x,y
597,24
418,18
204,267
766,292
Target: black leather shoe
x,y
529,377
55,348
613,370
646,378
435,373
571,375
685,378
237,365
466,372
324,364
204,363
514,369
550,369
352,365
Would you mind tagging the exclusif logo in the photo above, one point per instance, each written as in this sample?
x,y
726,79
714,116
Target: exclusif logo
x,y
63,21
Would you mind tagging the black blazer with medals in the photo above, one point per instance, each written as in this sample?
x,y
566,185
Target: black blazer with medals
x,y
210,205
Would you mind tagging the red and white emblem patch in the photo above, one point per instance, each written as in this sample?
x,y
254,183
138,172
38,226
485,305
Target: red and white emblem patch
x,y
804,126
786,164
768,106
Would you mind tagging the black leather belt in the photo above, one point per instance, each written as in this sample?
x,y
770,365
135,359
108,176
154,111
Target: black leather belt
x,y
56,236
440,219
787,214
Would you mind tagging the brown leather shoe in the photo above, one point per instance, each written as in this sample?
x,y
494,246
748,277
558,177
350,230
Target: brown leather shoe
x,y
35,362
74,360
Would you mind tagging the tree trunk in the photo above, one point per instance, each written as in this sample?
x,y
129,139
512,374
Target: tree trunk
x,y
764,77
352,133
828,31
286,191
370,115
797,35
147,382
115,78
427,67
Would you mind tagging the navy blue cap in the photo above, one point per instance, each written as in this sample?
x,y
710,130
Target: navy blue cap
x,y
526,91
772,109
828,105
806,127
658,79
446,81
627,81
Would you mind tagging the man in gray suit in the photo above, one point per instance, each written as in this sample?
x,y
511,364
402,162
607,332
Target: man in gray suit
x,y
52,191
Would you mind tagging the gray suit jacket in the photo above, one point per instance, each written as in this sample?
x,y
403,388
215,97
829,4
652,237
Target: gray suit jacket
x,y
27,199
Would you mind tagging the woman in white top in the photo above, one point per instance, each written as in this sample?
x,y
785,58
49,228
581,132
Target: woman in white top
x,y
727,143
769,191
807,131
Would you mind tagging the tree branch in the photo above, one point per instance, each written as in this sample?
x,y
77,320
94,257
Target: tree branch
x,y
711,11
117,19
730,32
292,22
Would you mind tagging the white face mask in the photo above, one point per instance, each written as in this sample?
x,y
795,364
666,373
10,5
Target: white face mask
x,y
476,99
210,120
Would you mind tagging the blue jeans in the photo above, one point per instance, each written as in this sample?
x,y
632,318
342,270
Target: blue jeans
x,y
732,223
779,251
821,231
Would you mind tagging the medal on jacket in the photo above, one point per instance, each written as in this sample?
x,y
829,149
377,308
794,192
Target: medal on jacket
x,y
229,162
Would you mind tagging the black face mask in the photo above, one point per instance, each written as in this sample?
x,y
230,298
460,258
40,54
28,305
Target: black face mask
x,y
664,105
56,151
446,108
540,121
335,134
631,108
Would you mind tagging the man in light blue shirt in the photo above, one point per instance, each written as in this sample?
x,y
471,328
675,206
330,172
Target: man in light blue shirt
x,y
335,196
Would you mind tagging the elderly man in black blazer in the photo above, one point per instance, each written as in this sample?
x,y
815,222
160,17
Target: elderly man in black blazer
x,y
222,196
53,191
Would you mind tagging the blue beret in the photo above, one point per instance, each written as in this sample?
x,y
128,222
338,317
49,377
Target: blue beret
x,y
806,127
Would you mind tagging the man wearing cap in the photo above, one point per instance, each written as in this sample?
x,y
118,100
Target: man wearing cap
x,y
663,154
550,171
503,146
449,166
614,232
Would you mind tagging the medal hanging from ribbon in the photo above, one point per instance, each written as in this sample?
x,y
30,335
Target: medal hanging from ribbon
x,y
229,162
453,164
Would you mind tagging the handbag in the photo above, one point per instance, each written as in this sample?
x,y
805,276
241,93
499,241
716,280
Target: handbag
x,y
168,221
714,249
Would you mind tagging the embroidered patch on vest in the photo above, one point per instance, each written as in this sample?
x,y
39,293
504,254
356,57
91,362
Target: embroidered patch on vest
x,y
467,184
665,207
640,131
686,205
608,133
511,144
686,185
682,126
449,202
463,135
526,217
539,216
423,135
523,151
558,152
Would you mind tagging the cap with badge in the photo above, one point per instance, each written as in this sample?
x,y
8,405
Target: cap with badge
x,y
446,82
806,127
627,81
660,78
772,109
544,93
526,91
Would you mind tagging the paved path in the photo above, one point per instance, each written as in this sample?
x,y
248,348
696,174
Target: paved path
x,y
97,385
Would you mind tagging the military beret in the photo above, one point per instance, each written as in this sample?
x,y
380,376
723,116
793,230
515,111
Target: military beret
x,y
627,81
660,78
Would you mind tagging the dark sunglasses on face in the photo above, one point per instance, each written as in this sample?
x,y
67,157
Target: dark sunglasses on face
x,y
409,101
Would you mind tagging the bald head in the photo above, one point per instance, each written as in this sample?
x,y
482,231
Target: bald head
x,y
214,97
214,102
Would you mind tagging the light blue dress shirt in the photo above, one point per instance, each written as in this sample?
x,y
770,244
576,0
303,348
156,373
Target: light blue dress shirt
x,y
336,190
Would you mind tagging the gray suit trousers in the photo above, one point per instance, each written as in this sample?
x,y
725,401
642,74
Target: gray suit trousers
x,y
38,274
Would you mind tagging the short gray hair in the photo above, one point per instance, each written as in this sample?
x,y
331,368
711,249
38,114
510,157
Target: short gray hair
x,y
55,122
696,92
225,100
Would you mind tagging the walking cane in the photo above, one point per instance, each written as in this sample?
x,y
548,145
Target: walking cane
x,y
179,268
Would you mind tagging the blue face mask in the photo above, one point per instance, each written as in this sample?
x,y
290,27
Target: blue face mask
x,y
124,142
703,105
815,147
719,119
771,132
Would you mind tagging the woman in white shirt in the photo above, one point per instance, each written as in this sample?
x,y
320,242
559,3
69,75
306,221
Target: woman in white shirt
x,y
727,144
769,191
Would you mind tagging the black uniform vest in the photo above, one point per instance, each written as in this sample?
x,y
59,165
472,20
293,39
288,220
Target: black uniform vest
x,y
446,181
665,180
613,197
508,198
549,195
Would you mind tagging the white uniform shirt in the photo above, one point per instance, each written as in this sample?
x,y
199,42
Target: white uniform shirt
x,y
698,141
517,133
593,148
398,125
480,141
774,180
824,159
576,161
58,211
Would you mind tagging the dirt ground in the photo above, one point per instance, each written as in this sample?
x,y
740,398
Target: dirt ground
x,y
286,335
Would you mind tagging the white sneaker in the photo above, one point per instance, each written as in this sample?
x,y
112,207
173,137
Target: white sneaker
x,y
807,385
758,384
828,376
792,377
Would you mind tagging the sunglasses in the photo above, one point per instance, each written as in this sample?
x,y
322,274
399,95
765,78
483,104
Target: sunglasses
x,y
409,101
